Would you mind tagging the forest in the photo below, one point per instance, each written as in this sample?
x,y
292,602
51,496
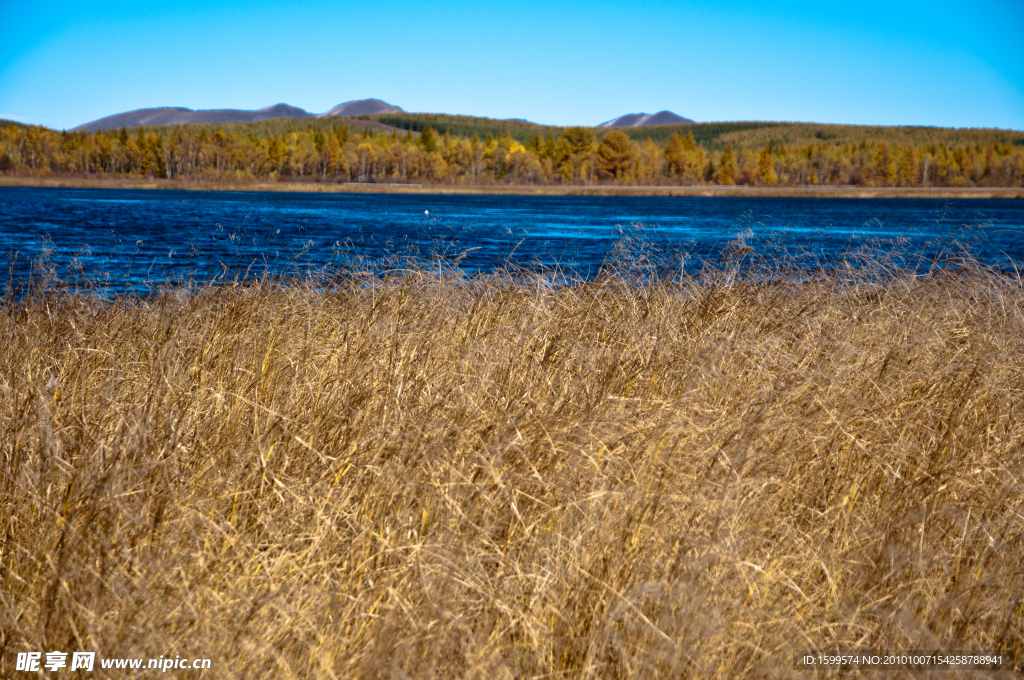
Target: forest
x,y
440,149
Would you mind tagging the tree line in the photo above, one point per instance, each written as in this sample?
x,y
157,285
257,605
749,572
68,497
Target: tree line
x,y
350,151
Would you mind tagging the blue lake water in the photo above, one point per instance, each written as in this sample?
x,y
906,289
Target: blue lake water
x,y
140,235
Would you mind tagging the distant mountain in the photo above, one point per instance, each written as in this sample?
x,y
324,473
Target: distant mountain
x,y
640,119
362,107
176,115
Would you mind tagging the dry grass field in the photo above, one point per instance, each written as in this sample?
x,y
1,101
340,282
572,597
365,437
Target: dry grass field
x,y
429,476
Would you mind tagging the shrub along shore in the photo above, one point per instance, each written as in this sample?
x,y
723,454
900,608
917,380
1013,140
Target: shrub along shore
x,y
431,476
705,191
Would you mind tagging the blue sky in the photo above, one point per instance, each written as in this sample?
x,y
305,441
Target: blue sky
x,y
923,63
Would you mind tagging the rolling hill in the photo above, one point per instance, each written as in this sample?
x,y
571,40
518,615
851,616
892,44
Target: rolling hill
x,y
177,115
362,107
644,119
174,115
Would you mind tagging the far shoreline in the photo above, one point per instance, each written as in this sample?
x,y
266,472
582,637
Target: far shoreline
x,y
712,190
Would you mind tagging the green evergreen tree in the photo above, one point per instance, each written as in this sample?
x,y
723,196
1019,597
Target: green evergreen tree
x,y
573,148
428,140
549,147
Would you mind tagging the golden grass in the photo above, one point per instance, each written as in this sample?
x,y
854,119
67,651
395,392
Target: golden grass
x,y
417,477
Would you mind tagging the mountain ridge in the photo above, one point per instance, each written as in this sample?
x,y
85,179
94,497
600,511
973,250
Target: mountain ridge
x,y
180,115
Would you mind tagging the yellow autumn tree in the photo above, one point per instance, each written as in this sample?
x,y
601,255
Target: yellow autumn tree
x,y
726,173
766,166
885,172
684,160
648,168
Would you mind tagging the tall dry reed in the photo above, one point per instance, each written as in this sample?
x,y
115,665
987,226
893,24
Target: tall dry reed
x,y
416,476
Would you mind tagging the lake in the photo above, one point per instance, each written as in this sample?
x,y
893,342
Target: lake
x,y
138,236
